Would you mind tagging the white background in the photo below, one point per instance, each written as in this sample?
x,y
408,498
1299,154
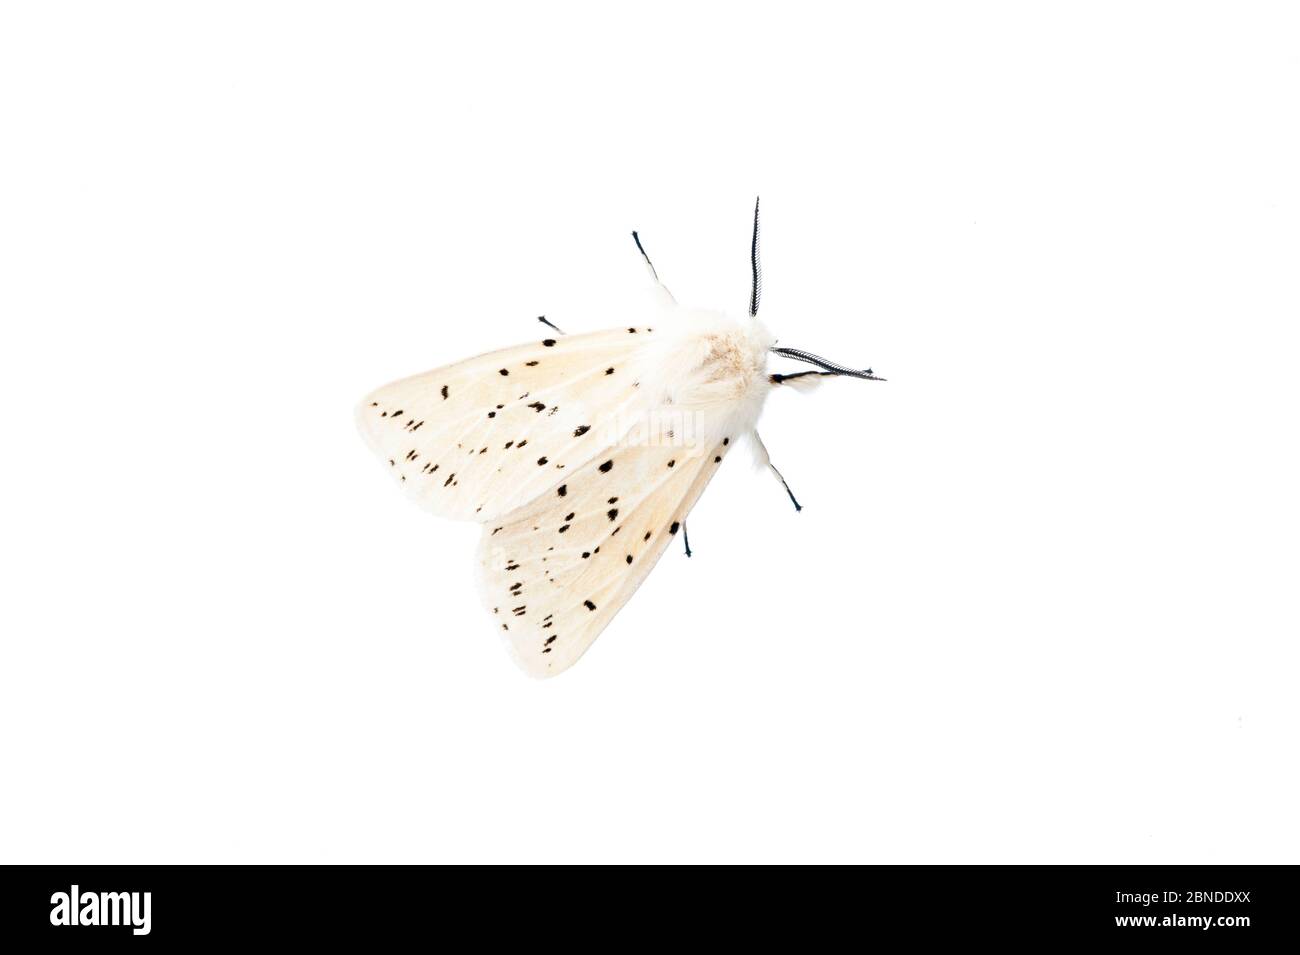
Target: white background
x,y
1040,605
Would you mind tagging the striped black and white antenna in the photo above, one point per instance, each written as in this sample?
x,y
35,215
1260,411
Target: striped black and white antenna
x,y
756,290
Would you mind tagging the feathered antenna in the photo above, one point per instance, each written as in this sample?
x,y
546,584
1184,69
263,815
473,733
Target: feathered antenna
x,y
756,290
829,367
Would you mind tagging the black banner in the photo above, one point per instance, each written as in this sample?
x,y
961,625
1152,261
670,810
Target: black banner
x,y
145,906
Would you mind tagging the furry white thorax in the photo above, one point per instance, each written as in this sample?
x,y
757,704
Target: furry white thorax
x,y
710,367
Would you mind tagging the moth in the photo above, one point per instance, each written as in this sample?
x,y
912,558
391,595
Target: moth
x,y
582,455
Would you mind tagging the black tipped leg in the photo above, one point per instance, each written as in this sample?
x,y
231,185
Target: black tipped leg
x,y
765,458
637,239
793,499
686,540
667,295
542,319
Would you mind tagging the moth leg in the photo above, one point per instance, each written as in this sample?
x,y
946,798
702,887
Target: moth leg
x,y
760,453
686,539
542,319
778,379
793,499
664,294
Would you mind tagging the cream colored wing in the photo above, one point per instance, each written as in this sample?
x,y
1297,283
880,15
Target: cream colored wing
x,y
555,572
477,439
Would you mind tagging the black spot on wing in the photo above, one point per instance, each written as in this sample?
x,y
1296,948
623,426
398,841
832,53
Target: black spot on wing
x,y
505,371
604,468
562,490
589,605
581,430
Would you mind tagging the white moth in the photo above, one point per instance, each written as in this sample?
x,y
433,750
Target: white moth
x,y
581,456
